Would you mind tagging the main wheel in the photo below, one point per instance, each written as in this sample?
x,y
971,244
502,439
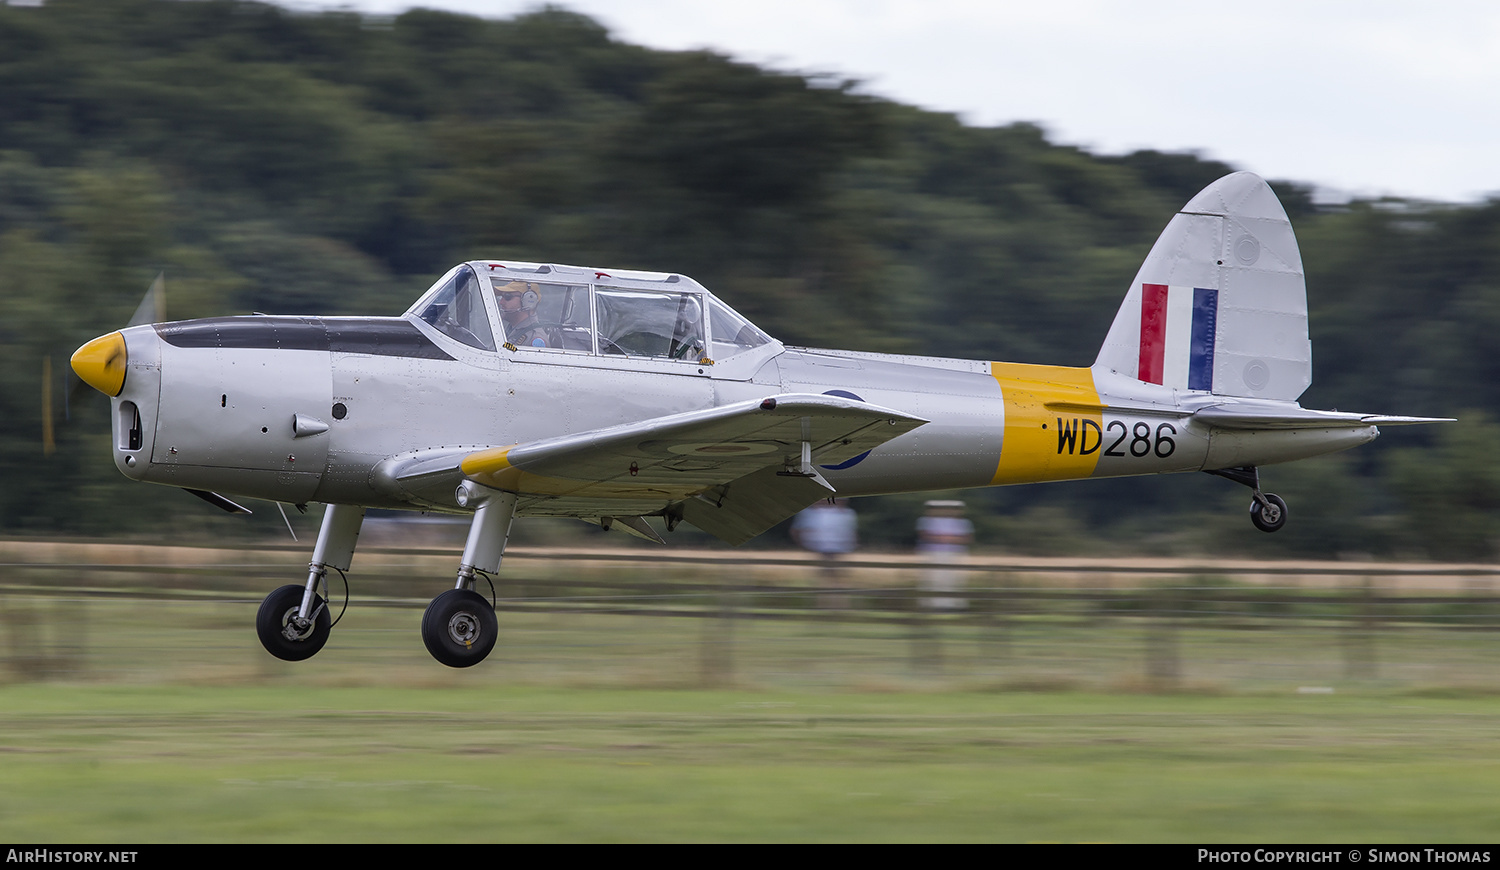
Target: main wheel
x,y
460,628
1268,517
279,630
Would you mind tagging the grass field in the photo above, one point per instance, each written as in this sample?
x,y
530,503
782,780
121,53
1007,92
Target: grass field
x,y
145,720
326,764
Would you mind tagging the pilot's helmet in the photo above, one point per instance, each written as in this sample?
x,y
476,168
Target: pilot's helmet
x,y
524,289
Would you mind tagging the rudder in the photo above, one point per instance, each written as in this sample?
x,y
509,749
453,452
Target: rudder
x,y
1220,303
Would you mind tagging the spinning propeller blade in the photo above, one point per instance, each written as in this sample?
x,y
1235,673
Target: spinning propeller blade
x,y
153,307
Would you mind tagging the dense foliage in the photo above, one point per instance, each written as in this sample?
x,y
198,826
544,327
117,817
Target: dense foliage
x,y
328,163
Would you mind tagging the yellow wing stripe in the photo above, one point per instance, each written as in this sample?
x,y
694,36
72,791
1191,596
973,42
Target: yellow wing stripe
x,y
1053,422
491,461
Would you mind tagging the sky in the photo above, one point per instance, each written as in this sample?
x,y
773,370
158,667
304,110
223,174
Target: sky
x,y
1361,99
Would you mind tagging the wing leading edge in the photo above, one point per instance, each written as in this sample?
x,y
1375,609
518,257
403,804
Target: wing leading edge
x,y
734,470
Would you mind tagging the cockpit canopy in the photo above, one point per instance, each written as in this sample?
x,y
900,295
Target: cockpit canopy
x,y
569,309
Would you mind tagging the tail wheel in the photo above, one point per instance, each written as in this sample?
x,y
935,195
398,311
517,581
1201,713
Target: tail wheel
x,y
460,628
1270,516
283,634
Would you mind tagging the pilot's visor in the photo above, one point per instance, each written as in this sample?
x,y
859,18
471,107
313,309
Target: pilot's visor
x,y
101,363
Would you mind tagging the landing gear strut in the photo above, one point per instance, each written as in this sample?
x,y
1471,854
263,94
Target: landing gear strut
x,y
293,622
1267,510
459,627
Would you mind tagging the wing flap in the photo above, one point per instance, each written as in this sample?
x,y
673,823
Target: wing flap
x,y
744,508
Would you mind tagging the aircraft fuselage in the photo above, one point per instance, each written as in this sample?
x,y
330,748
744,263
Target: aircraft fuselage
x,y
301,409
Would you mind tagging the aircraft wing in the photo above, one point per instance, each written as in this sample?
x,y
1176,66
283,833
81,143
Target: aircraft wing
x,y
722,466
1247,415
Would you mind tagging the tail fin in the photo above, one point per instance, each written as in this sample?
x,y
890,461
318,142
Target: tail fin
x,y
1220,304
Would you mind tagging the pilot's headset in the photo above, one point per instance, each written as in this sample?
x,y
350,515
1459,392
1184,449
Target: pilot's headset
x,y
529,296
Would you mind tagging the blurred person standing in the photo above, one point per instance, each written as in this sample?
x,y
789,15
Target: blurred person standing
x,y
829,529
944,535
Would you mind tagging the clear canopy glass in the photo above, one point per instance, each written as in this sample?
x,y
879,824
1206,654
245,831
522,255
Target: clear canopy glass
x,y
570,310
457,310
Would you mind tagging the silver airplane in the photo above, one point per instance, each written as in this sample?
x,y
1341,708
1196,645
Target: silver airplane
x,y
525,389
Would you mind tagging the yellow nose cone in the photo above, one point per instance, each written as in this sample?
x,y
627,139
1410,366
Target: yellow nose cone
x,y
101,363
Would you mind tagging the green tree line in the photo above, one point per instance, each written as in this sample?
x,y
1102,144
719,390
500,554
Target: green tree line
x,y
286,162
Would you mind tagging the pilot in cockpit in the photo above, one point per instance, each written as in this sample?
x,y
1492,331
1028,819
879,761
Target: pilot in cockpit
x,y
518,301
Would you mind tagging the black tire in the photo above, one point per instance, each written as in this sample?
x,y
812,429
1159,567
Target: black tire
x,y
1268,519
459,628
271,623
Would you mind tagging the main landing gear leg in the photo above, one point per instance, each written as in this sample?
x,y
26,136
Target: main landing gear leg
x,y
459,627
1267,510
293,622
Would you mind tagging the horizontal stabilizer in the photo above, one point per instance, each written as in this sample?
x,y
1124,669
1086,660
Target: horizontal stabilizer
x,y
1282,416
1380,420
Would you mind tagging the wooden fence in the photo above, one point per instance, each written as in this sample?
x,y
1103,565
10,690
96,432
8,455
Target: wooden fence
x,y
1024,616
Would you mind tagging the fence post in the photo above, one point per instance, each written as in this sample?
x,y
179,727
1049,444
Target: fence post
x,y
24,640
716,644
1481,594
1359,635
32,655
1103,590
926,640
995,616
70,631
1490,610
1163,668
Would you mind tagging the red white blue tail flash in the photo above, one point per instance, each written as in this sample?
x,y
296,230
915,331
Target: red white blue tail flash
x,y
1177,336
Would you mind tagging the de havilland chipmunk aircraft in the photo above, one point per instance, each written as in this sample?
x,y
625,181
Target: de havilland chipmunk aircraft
x,y
524,389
